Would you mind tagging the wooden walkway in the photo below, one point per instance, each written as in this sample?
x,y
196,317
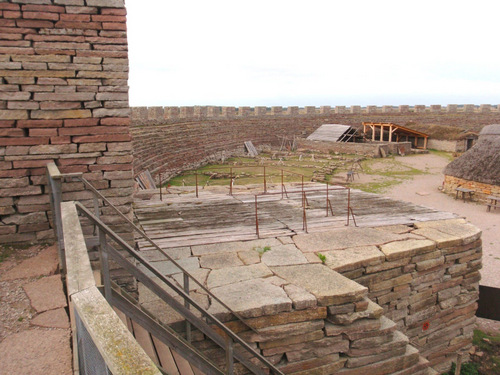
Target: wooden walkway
x,y
184,220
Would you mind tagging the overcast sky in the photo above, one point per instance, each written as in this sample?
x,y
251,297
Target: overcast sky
x,y
273,52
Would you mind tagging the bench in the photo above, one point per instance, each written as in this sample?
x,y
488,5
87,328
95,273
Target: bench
x,y
464,192
493,202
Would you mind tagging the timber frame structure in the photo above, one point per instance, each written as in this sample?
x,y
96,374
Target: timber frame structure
x,y
390,132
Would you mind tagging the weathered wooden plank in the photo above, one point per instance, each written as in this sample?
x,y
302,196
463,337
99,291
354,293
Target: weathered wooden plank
x,y
165,356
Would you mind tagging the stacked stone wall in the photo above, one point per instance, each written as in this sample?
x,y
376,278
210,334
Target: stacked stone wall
x,y
481,190
175,144
63,98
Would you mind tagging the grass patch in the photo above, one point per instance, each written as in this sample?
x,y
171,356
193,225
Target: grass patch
x,y
377,187
5,252
443,154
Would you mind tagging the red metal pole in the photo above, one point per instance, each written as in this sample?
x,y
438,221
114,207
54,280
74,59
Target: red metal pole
x,y
256,219
282,186
265,185
159,176
231,181
348,204
196,177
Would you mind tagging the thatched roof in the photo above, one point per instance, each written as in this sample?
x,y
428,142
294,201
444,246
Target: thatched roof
x,y
482,162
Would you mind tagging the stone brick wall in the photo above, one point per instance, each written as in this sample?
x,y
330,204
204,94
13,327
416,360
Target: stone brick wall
x,y
159,115
63,98
429,288
481,190
176,143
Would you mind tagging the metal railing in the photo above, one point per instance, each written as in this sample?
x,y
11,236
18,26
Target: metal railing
x,y
55,180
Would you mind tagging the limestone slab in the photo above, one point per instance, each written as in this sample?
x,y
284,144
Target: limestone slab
x,y
329,287
251,298
57,318
228,247
300,297
249,256
343,238
43,264
403,249
232,275
169,268
284,255
282,331
460,228
352,258
46,294
220,260
373,311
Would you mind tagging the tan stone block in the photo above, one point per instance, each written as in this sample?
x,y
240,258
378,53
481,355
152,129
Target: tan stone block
x,y
401,280
388,265
291,340
373,311
362,325
353,258
280,332
402,249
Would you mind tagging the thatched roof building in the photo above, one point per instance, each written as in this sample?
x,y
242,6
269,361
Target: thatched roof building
x,y
482,162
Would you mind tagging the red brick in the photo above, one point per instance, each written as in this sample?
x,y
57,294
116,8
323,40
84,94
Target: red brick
x,y
23,141
76,17
43,8
43,132
112,167
57,38
11,14
7,123
15,43
73,168
19,164
14,173
102,53
41,16
60,140
11,132
4,22
5,165
61,45
82,122
60,105
102,138
79,25
76,161
115,121
43,51
9,6
40,123
114,11
11,36
15,30
13,192
35,24
23,105
109,18
90,130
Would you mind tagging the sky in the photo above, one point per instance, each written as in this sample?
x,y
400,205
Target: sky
x,y
315,52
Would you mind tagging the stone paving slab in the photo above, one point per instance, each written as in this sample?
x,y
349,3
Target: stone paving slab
x,y
284,255
169,268
220,260
43,264
343,238
251,298
458,228
408,248
328,286
37,352
352,258
57,318
236,274
227,247
46,294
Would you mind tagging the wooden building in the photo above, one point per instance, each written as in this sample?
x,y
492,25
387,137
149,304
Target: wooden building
x,y
389,132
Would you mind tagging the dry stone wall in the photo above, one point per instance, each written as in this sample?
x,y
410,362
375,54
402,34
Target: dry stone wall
x,y
63,98
175,142
481,190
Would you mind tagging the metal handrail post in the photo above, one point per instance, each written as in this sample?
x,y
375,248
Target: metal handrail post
x,y
327,200
282,184
187,305
304,215
103,255
55,186
229,356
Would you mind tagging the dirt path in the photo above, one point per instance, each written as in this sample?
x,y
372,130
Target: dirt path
x,y
424,190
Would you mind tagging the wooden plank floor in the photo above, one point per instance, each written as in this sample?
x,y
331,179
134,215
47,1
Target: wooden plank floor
x,y
184,220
